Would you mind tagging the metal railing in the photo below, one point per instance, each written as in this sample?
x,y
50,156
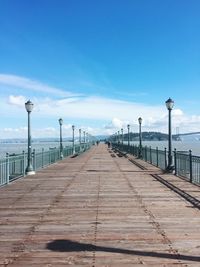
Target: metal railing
x,y
186,165
13,166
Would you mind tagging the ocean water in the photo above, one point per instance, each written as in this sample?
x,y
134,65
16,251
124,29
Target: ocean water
x,y
179,145
18,148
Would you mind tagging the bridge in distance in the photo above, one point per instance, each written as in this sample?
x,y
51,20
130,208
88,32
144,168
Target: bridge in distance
x,y
178,136
182,134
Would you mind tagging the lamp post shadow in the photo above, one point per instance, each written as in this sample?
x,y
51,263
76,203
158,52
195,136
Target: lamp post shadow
x,y
64,245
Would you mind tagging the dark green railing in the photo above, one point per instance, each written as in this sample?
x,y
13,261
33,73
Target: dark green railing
x,y
13,166
185,164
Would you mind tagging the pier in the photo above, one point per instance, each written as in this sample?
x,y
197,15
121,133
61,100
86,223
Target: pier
x,y
100,209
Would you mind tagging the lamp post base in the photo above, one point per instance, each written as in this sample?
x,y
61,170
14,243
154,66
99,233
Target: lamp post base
x,y
170,169
30,172
140,154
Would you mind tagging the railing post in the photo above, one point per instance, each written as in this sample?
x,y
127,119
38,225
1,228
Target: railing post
x,y
175,162
165,157
190,158
150,155
142,153
157,156
14,164
7,168
145,153
42,157
34,160
54,155
49,156
24,163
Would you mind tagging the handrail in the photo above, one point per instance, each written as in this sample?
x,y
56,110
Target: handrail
x,y
13,166
186,165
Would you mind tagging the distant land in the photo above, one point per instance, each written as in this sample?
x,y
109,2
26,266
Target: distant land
x,y
146,136
158,136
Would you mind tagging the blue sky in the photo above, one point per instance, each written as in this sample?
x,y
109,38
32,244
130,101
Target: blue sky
x,y
98,64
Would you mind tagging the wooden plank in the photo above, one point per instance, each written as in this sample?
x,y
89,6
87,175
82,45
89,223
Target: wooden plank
x,y
98,210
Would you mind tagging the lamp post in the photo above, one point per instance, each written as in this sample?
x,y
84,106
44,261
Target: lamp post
x,y
122,135
73,145
80,136
140,138
128,127
61,145
170,167
84,136
118,137
29,169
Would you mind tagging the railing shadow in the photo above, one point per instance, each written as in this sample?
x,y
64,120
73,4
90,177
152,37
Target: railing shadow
x,y
194,201
63,245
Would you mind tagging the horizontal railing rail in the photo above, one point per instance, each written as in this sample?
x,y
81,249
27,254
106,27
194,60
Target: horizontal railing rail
x,y
186,165
13,166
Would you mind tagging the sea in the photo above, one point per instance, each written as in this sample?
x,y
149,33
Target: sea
x,y
18,147
183,146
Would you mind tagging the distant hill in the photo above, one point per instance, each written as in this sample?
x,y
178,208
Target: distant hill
x,y
147,136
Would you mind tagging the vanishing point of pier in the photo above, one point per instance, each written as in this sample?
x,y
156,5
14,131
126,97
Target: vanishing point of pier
x,y
100,209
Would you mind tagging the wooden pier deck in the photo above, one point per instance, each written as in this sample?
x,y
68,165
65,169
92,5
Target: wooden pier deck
x,y
99,210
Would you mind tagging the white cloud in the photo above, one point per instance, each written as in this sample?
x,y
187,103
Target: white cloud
x,y
115,123
17,100
33,85
116,113
9,132
177,112
185,124
112,114
97,108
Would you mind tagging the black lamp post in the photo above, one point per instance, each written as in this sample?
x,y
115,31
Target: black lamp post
x,y
29,169
122,131
118,137
170,167
61,145
80,136
73,144
140,138
128,127
84,139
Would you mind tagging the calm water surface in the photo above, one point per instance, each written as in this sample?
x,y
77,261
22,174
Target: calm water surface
x,y
17,148
179,145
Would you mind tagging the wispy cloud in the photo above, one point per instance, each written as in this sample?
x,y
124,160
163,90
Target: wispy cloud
x,y
107,115
135,93
33,85
116,113
97,108
16,100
